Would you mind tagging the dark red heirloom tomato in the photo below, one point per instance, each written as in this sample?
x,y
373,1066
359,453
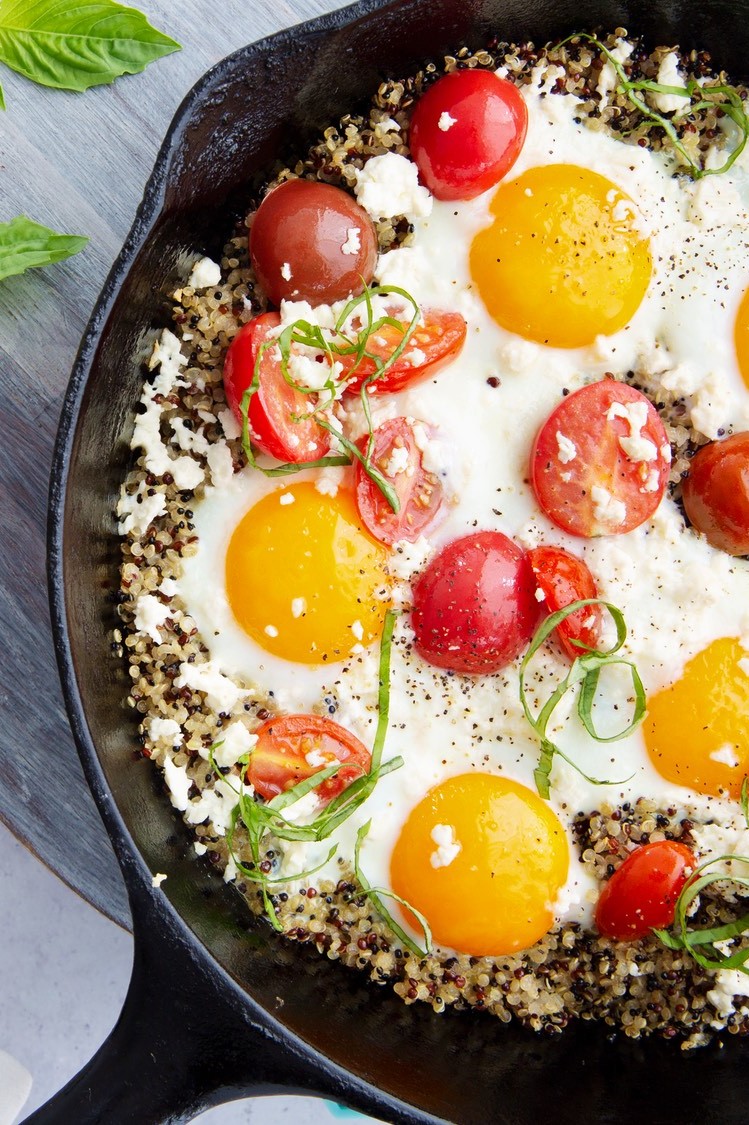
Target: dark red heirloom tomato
x,y
563,579
474,606
275,404
291,748
716,493
466,133
584,479
433,344
642,893
419,491
312,242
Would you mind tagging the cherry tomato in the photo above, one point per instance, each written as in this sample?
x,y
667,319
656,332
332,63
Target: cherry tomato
x,y
274,404
466,133
716,493
398,457
595,470
642,893
563,578
433,344
293,747
312,242
474,605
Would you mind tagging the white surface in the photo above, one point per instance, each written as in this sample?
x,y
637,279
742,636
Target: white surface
x,y
63,978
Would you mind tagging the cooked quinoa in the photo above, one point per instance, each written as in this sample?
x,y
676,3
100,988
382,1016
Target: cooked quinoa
x,y
639,987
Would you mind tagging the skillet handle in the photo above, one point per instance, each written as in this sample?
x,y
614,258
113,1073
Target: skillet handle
x,y
180,1045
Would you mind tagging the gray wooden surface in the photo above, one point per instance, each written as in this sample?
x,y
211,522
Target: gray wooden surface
x,y
78,163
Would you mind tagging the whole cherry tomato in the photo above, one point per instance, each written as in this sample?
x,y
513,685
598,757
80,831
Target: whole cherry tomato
x,y
600,462
716,493
642,893
467,132
398,457
312,242
275,404
433,344
474,606
291,748
563,579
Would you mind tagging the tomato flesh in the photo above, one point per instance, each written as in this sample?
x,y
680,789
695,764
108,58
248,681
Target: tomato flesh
x,y
398,457
563,579
467,132
642,893
474,606
434,343
273,406
291,748
716,493
312,242
594,468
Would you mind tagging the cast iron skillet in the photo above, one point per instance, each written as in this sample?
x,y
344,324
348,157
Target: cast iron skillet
x,y
219,1007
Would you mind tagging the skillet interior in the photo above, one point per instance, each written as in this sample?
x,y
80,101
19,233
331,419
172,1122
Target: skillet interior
x,y
463,1068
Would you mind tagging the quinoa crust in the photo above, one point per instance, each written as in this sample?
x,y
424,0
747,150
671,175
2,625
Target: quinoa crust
x,y
638,988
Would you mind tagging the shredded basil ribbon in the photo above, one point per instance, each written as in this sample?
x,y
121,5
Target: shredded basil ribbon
x,y
696,942
306,334
376,894
585,671
707,97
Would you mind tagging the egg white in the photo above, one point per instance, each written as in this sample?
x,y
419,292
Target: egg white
x,y
676,593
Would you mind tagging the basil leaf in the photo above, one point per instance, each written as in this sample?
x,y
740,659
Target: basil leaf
x,y
2,98
73,46
24,245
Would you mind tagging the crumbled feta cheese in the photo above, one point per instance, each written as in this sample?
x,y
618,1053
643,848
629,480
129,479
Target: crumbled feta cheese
x,y
286,498
635,446
216,805
200,849
220,464
298,607
165,730
432,451
606,510
187,473
168,587
670,75
729,983
271,631
235,741
229,424
221,693
540,596
447,846
388,186
138,511
286,271
158,879
358,630
318,758
327,481
192,441
398,462
446,121
178,783
415,356
205,274
150,615
567,448
352,245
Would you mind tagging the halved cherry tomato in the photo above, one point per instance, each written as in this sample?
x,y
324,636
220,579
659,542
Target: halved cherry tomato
x,y
274,404
467,132
595,471
716,493
398,457
563,578
642,893
434,343
474,606
312,242
294,747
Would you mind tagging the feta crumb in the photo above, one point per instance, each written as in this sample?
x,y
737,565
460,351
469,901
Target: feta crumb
x,y
235,741
318,758
271,631
298,607
729,983
286,271
286,498
398,462
200,849
415,356
178,784
539,595
158,879
358,630
205,274
447,846
165,730
221,693
220,464
388,186
150,615
327,481
229,424
446,121
635,446
138,511
352,245
606,510
192,441
567,448
670,75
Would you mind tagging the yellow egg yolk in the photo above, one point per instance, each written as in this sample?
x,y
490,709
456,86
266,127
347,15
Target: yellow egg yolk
x,y
303,577
697,730
741,337
483,859
563,261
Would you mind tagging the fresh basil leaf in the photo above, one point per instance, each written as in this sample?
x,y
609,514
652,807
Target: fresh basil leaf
x,y
24,245
2,98
73,46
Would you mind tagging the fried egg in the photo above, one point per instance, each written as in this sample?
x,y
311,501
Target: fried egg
x,y
290,592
